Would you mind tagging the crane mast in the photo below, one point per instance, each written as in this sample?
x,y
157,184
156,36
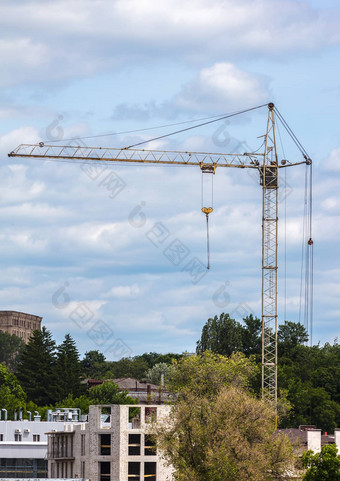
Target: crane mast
x,y
270,184
268,166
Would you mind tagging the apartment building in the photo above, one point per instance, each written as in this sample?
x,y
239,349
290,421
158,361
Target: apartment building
x,y
114,445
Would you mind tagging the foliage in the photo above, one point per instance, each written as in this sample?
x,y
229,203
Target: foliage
x,y
12,395
10,348
82,402
219,430
323,466
108,393
290,334
207,373
310,376
67,369
94,365
221,335
36,368
153,358
154,375
130,367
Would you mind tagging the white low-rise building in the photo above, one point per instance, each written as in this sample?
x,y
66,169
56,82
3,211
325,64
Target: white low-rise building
x,y
23,443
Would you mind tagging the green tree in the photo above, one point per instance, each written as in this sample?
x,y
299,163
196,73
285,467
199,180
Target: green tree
x,y
323,466
252,335
290,334
10,348
12,395
93,365
108,393
222,335
152,358
154,375
36,368
67,369
219,430
130,367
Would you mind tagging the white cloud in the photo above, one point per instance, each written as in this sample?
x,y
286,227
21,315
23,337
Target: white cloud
x,y
9,141
332,162
221,87
222,84
67,39
123,292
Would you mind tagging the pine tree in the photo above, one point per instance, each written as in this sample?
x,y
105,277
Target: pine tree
x,y
36,368
68,369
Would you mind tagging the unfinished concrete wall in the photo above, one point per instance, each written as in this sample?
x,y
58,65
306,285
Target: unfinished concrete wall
x,y
337,439
314,440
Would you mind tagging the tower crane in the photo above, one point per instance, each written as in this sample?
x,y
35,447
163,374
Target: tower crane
x,y
268,166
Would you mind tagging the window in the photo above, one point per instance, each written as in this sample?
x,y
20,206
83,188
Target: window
x,y
134,471
17,437
82,445
134,418
36,438
105,444
1,437
105,417
150,445
150,471
82,469
134,444
105,471
22,468
150,415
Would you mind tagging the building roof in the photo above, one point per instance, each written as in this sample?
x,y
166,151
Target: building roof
x,y
131,384
298,436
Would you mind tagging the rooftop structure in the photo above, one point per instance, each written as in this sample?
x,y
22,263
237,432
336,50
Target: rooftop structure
x,y
143,392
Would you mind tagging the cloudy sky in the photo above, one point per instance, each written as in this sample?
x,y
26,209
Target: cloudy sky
x,y
94,260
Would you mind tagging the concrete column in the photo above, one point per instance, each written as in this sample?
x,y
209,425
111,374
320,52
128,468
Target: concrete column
x,y
314,440
337,439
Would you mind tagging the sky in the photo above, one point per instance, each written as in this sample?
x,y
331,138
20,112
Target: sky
x,y
89,249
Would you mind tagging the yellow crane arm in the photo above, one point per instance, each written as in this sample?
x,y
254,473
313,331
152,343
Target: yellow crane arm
x,y
205,160
80,153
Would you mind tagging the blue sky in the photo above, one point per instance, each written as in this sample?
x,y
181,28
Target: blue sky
x,y
92,263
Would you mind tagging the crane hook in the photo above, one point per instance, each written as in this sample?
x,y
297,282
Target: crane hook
x,y
207,211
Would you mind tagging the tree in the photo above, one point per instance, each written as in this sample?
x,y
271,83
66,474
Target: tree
x,y
109,393
36,368
12,395
152,358
219,430
10,348
221,335
130,367
290,334
252,335
154,375
93,365
323,466
67,369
